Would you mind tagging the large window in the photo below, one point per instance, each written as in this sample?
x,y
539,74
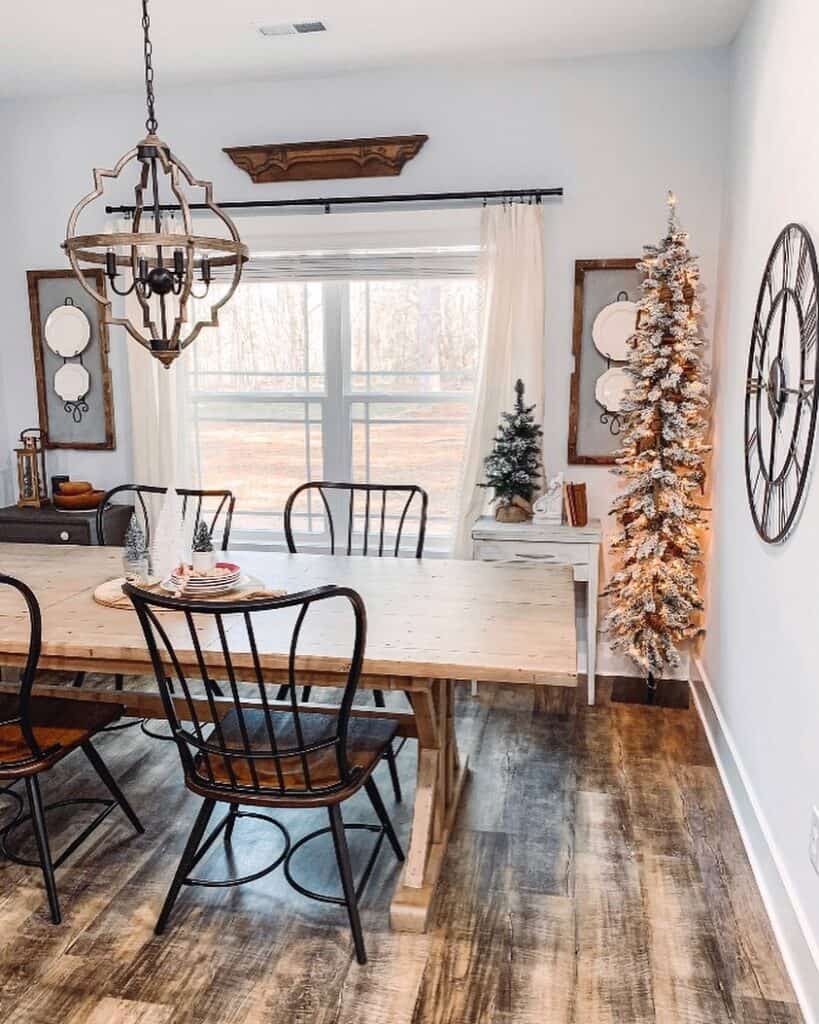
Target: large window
x,y
365,379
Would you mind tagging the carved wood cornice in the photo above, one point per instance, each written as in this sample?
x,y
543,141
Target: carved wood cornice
x,y
320,161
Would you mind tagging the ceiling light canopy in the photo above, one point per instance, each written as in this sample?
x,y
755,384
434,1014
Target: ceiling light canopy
x,y
292,28
163,264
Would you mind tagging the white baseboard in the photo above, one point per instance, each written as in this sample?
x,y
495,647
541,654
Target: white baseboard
x,y
790,925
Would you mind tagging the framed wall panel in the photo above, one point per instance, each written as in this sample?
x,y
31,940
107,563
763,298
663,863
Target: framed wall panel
x,y
597,284
74,397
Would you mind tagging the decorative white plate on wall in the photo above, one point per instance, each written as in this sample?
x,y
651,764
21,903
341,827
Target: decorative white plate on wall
x,y
611,387
72,382
67,331
613,326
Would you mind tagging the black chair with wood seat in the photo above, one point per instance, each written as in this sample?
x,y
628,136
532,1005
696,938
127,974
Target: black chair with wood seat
x,y
272,754
386,520
38,732
214,507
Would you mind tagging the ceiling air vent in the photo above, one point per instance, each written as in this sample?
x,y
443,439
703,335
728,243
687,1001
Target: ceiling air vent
x,y
293,28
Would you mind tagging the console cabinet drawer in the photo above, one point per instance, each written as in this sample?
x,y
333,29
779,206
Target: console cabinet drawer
x,y
48,526
45,533
548,552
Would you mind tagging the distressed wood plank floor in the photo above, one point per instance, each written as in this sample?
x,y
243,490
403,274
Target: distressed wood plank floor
x,y
595,876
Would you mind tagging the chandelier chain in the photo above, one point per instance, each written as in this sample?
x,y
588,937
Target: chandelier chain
x,y
151,124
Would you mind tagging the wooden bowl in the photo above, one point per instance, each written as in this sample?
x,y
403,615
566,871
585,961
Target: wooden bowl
x,y
70,487
79,502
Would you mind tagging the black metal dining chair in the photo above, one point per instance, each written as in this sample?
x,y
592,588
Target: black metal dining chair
x,y
214,507
273,754
38,732
378,526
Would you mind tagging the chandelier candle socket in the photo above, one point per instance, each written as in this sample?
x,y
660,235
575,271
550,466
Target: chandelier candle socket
x,y
162,268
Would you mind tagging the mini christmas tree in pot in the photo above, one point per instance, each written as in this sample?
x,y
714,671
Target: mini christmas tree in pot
x,y
202,556
655,591
513,467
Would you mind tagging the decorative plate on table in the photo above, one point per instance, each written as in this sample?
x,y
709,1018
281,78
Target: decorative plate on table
x,y
614,325
169,587
221,579
611,387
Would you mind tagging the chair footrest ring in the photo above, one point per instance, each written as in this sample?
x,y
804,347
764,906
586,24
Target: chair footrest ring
x,y
107,805
224,883
119,726
324,897
164,737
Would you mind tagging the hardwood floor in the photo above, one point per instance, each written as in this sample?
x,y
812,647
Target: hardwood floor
x,y
596,875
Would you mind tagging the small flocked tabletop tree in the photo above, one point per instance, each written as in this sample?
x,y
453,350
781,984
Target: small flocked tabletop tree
x,y
513,467
655,591
135,552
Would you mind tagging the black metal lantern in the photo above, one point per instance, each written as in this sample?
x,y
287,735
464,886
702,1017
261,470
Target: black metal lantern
x,y
162,269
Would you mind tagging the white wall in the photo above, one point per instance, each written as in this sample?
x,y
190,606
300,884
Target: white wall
x,y
762,646
615,132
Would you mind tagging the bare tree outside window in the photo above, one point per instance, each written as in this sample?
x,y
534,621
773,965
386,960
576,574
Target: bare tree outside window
x,y
363,380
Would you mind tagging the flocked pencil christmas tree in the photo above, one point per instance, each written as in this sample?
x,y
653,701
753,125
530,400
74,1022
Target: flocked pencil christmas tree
x,y
513,467
655,592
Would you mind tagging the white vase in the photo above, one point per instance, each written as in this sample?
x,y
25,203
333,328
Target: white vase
x,y
203,561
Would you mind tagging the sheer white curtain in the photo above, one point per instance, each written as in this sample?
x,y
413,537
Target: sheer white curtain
x,y
511,271
162,441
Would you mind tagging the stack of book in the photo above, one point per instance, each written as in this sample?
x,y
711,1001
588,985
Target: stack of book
x,y
577,509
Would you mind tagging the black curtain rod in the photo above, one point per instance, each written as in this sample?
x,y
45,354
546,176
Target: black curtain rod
x,y
328,203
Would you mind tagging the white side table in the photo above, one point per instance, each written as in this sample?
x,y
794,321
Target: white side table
x,y
577,546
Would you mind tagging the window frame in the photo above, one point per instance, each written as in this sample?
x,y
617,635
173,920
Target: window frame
x,y
337,402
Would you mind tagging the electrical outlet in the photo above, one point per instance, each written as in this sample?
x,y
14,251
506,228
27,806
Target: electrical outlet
x,y
813,844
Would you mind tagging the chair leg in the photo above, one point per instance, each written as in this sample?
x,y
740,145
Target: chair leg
x,y
305,693
119,681
234,811
281,693
101,769
188,855
79,679
214,687
38,820
347,883
389,753
383,817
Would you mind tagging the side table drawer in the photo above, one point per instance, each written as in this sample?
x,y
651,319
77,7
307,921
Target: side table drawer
x,y
46,533
548,552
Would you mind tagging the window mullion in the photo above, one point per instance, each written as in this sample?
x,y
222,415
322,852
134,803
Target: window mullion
x,y
336,433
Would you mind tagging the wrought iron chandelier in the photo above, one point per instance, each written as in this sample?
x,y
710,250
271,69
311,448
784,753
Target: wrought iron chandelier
x,y
163,269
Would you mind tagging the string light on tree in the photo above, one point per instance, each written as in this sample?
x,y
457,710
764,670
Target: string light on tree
x,y
655,591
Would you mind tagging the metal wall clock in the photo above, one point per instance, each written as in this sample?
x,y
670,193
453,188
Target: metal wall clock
x,y
780,398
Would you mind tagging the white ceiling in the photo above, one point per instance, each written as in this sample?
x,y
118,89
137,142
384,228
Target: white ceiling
x,y
49,47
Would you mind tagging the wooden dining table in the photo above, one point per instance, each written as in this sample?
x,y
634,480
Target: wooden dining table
x,y
430,624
